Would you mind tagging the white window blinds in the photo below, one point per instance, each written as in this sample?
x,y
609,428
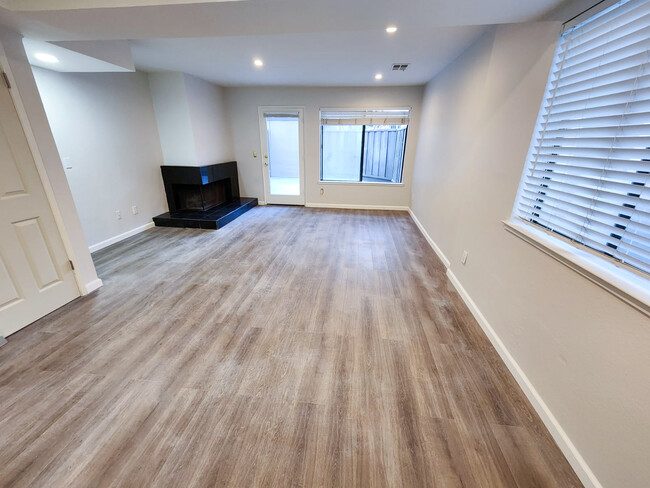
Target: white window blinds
x,y
587,177
365,117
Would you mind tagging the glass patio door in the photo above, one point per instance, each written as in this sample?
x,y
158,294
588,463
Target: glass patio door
x,y
282,155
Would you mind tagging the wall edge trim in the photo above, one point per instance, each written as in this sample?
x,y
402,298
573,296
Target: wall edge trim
x,y
431,242
397,208
120,237
561,438
93,285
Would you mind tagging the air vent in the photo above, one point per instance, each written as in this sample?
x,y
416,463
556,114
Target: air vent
x,y
400,66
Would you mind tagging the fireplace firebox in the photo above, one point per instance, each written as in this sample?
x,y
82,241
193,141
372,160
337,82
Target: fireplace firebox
x,y
204,197
201,197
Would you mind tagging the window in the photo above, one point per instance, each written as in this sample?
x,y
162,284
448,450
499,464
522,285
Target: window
x,y
363,146
587,177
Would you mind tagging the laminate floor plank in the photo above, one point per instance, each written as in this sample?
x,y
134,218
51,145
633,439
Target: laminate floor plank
x,y
295,347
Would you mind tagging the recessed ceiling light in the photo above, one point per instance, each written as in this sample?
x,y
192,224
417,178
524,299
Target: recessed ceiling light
x,y
391,29
46,58
258,62
378,76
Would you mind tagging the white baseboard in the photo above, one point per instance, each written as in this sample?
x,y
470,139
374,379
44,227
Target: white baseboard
x,y
357,207
563,441
120,237
433,245
93,285
261,202
567,447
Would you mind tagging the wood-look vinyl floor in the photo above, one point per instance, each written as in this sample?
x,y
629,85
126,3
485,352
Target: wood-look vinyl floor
x,y
294,347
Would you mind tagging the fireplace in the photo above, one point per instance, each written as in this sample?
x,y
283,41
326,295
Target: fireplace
x,y
202,196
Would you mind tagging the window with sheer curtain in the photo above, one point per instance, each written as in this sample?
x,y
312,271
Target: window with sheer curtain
x,y
587,177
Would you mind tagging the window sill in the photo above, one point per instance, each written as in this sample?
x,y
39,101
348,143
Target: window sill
x,y
358,183
618,280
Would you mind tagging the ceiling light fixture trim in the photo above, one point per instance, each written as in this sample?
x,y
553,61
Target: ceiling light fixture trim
x,y
46,58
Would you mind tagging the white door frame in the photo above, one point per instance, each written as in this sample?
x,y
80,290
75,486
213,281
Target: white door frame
x,y
33,209
40,167
281,199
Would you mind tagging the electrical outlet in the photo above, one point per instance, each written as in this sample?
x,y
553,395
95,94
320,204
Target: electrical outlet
x,y
118,215
67,164
134,209
463,258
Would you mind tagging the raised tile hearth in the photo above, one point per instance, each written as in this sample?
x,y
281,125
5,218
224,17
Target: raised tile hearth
x,y
203,197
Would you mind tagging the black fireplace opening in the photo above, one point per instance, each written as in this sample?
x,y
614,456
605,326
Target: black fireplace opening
x,y
201,197
205,197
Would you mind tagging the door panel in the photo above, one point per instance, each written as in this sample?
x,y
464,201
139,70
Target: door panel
x,y
37,252
35,274
8,292
281,135
11,182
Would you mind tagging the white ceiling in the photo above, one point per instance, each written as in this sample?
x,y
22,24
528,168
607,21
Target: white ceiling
x,y
302,42
339,58
72,60
35,5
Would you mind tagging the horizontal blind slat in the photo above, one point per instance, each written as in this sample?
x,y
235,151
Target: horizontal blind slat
x,y
611,141
589,91
592,101
608,21
543,178
588,174
624,36
605,194
619,52
563,223
600,231
593,174
601,80
602,131
638,157
604,213
628,107
607,120
566,224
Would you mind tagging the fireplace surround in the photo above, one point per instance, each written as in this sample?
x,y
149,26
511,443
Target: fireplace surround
x,y
205,197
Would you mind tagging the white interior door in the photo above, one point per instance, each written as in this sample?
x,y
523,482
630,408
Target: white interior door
x,y
281,134
35,274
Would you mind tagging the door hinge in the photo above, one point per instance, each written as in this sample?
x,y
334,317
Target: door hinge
x,y
71,265
6,80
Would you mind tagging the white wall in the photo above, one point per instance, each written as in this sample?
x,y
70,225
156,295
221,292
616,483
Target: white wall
x,y
584,351
45,151
105,124
192,123
173,118
210,125
243,103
